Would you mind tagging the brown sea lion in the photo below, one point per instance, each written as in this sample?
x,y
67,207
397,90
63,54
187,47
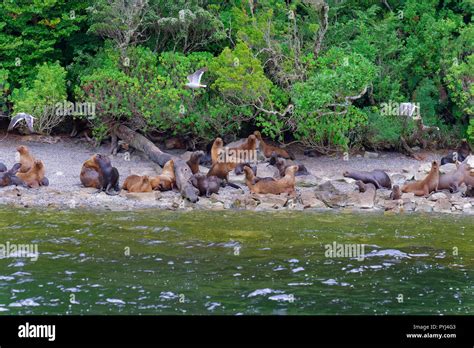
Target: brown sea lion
x,y
222,170
452,181
193,162
425,186
90,173
463,151
377,177
35,176
249,145
216,150
396,193
267,150
137,183
365,187
27,160
166,180
206,185
283,185
9,177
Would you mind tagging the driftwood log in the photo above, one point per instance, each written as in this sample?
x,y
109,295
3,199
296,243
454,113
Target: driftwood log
x,y
182,170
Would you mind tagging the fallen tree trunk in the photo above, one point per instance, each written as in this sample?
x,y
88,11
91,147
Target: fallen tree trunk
x,y
182,171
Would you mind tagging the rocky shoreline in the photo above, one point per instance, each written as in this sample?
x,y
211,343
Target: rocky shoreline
x,y
324,190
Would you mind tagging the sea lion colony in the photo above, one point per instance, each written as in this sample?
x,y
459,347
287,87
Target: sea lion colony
x,y
98,172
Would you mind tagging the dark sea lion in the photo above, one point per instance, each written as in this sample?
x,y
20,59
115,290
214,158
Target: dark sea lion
x,y
267,150
283,185
427,185
461,153
206,185
452,181
194,161
3,168
240,168
137,183
469,192
377,177
396,193
109,178
281,165
35,176
90,173
9,177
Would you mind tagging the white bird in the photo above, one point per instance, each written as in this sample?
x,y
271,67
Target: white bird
x,y
195,79
22,116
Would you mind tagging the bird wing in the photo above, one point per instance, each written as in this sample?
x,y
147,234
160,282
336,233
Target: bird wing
x,y
196,77
21,116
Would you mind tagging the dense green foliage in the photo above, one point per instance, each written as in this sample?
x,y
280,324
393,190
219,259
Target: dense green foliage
x,y
309,70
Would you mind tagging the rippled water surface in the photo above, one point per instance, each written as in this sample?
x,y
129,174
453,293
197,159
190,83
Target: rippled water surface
x,y
161,262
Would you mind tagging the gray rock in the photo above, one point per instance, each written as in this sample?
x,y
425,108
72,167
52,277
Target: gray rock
x,y
442,205
424,207
447,168
437,196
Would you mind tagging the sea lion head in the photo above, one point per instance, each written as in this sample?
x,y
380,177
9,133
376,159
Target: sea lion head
x,y
252,139
345,173
248,173
291,170
434,165
218,142
22,149
258,135
146,179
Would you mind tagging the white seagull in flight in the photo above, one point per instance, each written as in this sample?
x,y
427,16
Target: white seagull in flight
x,y
195,79
22,116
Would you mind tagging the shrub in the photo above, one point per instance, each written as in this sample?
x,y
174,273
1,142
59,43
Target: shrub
x,y
48,88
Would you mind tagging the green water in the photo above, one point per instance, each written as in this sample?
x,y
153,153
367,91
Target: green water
x,y
161,262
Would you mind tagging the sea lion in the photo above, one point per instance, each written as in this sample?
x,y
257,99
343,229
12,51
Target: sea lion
x,y
283,185
35,176
452,181
27,161
222,170
3,168
377,177
166,180
267,150
9,177
194,161
249,145
216,150
90,173
425,186
281,165
365,187
206,185
137,183
109,178
461,153
239,169
396,193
